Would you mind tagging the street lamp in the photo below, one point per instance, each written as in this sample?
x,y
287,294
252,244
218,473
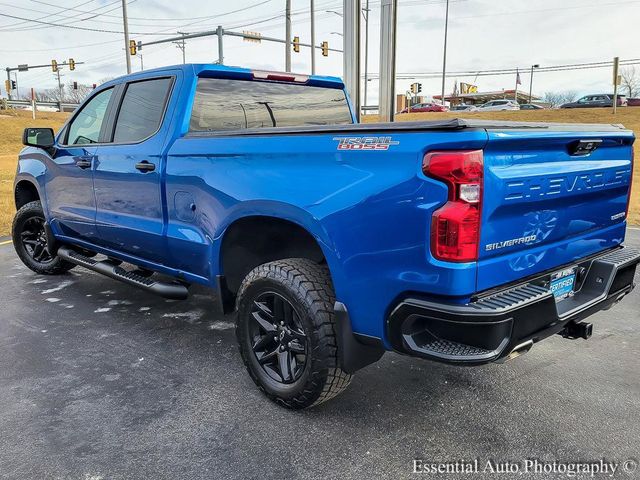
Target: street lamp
x,y
531,81
336,33
333,11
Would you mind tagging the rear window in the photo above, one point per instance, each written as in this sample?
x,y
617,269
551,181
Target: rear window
x,y
222,104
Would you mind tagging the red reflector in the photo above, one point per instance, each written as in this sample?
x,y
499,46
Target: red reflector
x,y
630,183
280,77
455,228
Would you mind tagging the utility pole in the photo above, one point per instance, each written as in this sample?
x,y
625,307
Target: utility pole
x,y
313,39
444,56
366,52
616,82
287,45
220,34
388,24
125,21
181,44
531,81
351,58
9,80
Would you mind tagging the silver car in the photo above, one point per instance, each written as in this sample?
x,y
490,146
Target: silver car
x,y
499,106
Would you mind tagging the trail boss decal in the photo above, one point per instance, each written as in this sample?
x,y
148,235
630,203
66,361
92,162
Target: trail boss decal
x,y
365,143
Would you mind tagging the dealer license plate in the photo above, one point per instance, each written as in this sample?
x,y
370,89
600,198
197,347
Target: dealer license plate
x,y
563,283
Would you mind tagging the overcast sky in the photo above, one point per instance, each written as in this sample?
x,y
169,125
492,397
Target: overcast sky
x,y
483,35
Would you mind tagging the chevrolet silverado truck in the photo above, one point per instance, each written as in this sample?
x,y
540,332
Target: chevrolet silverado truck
x,y
457,241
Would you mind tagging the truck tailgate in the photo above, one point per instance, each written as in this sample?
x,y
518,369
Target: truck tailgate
x,y
550,200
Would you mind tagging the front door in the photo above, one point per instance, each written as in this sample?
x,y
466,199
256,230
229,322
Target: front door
x,y
69,185
128,172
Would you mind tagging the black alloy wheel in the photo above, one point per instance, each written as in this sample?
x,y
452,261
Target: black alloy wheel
x,y
279,342
34,240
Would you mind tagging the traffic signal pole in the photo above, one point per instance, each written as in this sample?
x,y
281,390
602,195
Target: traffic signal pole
x,y
220,32
125,21
25,68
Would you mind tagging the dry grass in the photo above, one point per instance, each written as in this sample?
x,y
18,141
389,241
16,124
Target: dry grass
x,y
629,117
13,123
11,126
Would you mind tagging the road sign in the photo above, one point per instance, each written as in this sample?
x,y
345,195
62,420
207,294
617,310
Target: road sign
x,y
23,68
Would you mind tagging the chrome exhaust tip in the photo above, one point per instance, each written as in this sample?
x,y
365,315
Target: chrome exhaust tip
x,y
518,350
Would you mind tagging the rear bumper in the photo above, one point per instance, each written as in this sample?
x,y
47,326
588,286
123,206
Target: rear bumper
x,y
490,327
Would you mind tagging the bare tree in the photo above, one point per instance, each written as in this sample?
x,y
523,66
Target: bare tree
x,y
569,96
76,95
630,81
553,98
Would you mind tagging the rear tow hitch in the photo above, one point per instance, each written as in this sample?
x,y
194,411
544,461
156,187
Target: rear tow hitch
x,y
577,330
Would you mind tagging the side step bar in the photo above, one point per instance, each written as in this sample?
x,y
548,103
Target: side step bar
x,y
175,291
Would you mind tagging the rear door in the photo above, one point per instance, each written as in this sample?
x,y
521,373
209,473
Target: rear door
x,y
547,202
128,171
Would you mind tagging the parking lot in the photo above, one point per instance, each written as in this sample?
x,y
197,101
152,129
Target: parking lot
x,y
101,381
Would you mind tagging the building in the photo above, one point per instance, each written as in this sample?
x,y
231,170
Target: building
x,y
478,98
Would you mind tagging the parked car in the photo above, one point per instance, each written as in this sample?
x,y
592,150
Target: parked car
x,y
426,107
633,102
499,105
595,101
531,106
332,242
464,108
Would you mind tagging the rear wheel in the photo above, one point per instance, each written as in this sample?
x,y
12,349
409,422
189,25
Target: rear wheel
x,y
286,333
30,241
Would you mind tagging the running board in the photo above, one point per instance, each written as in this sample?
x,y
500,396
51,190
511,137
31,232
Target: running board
x,y
175,291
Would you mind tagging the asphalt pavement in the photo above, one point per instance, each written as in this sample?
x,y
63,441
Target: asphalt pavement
x,y
102,381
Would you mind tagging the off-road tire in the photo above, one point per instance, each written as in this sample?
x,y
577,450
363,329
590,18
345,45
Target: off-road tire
x,y
31,212
308,288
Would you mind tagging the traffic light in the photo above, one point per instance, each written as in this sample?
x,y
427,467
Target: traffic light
x,y
75,85
419,87
413,88
13,85
325,49
296,44
7,86
54,66
72,64
133,47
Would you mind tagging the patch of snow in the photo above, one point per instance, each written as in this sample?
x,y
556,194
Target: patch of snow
x,y
58,287
101,310
52,299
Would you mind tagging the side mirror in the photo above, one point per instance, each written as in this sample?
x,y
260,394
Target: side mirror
x,y
38,137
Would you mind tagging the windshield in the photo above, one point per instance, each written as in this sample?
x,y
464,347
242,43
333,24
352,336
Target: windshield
x,y
222,104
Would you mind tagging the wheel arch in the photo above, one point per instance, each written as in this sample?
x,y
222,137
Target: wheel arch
x,y
25,190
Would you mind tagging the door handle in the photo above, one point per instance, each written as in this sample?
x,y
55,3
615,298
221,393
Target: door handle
x,y
83,164
145,166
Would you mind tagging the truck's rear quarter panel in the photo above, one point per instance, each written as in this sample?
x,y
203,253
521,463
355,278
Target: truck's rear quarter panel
x,y
370,210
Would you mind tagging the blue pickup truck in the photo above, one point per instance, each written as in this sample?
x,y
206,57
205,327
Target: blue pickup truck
x,y
457,241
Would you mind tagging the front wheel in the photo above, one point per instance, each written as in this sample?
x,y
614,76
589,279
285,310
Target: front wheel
x,y
30,241
286,332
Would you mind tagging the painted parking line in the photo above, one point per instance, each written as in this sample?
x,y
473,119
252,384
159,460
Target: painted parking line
x,y
6,242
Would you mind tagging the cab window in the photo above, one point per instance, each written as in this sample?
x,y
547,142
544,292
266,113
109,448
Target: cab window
x,y
85,127
141,111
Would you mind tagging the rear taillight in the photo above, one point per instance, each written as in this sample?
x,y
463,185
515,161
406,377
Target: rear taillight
x,y
455,228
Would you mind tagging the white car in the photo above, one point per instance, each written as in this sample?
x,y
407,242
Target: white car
x,y
499,105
